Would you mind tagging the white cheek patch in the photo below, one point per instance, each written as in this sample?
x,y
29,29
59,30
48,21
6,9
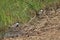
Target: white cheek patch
x,y
17,23
41,10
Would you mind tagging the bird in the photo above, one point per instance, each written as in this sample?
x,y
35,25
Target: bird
x,y
15,25
40,12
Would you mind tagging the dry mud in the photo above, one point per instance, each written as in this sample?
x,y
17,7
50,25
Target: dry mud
x,y
44,27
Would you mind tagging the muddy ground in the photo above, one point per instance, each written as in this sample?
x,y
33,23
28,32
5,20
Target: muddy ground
x,y
46,26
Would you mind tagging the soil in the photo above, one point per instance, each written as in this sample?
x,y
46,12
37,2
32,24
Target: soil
x,y
46,26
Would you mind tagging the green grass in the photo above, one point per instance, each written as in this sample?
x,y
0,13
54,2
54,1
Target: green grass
x,y
12,11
